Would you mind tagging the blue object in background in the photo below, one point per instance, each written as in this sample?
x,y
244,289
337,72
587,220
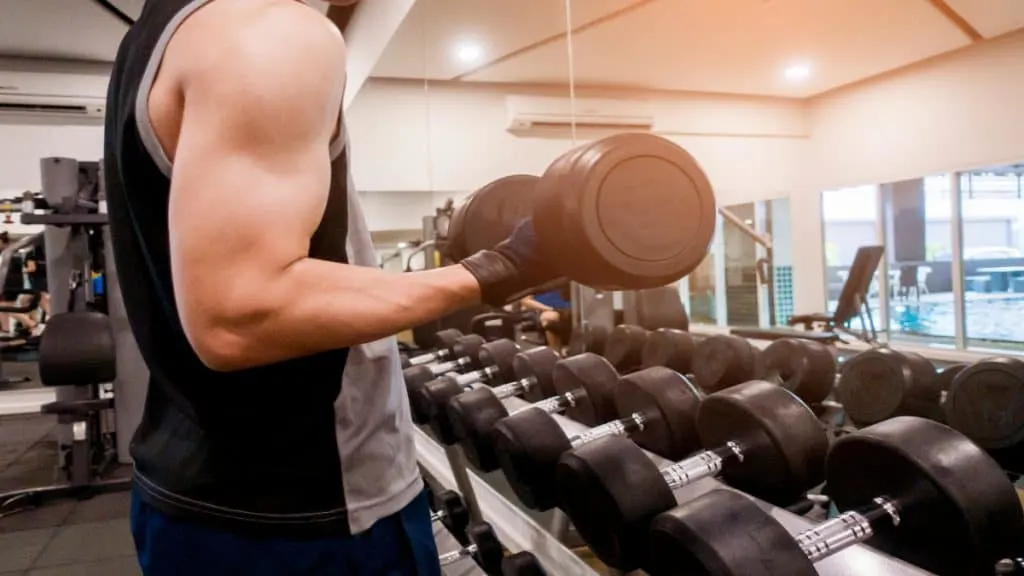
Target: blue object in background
x,y
97,285
553,299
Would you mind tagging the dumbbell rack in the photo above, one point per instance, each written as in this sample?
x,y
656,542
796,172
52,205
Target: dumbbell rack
x,y
519,531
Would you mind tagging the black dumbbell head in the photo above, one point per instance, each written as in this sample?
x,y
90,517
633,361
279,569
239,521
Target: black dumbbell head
x,y
415,377
597,378
669,403
456,515
473,416
881,383
429,405
612,490
724,360
959,513
670,348
537,363
469,346
528,445
489,549
499,354
625,346
805,368
986,403
944,379
783,442
445,339
714,534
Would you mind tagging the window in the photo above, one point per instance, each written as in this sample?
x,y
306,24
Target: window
x,y
849,220
991,218
918,245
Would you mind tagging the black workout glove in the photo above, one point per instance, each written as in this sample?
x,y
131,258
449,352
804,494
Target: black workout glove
x,y
512,269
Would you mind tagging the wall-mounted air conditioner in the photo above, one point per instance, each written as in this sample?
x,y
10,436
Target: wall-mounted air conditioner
x,y
66,93
534,113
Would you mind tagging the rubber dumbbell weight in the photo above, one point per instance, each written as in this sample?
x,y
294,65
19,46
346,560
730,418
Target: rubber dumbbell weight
x,y
671,348
882,383
805,368
624,347
484,548
760,437
452,513
911,487
428,403
658,409
725,360
533,371
464,356
443,342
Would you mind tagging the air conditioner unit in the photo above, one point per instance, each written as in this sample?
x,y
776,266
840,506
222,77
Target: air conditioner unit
x,y
530,113
66,94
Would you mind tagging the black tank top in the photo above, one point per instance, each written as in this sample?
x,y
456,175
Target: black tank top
x,y
253,449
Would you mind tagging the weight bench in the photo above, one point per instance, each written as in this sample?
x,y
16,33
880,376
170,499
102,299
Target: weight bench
x,y
76,351
852,304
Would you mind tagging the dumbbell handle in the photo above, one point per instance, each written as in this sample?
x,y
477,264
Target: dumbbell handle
x,y
704,464
846,529
517,388
475,376
429,357
621,427
552,405
451,557
437,515
442,368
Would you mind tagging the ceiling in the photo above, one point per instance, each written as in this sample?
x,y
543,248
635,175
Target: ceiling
x,y
728,46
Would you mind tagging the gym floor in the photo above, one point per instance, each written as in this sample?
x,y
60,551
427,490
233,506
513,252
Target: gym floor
x,y
63,537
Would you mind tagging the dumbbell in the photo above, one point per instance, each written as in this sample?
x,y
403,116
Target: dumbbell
x,y
484,548
427,403
760,437
725,360
914,488
624,347
452,513
470,416
659,410
881,383
463,355
986,402
671,348
805,368
443,342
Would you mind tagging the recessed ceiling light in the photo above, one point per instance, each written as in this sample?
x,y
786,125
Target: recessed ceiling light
x,y
468,52
798,72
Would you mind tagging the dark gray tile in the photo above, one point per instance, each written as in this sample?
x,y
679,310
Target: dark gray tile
x,y
51,515
124,566
18,550
88,542
102,507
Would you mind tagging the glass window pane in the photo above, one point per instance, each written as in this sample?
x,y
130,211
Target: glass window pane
x,y
918,246
993,257
741,298
780,231
702,291
849,220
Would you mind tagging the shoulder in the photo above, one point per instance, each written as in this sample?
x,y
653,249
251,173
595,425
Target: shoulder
x,y
271,39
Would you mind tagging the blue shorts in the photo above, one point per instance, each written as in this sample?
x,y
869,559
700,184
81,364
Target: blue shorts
x,y
400,545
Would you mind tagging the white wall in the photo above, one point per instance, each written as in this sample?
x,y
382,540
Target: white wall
x,y
452,139
958,111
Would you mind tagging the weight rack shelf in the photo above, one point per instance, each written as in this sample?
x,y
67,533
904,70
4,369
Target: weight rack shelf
x,y
519,531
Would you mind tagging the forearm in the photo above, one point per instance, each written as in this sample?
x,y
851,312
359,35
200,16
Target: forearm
x,y
317,305
531,304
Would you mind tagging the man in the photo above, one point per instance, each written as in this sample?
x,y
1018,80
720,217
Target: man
x,y
555,315
276,436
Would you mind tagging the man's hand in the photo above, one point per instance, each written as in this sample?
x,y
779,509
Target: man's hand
x,y
514,267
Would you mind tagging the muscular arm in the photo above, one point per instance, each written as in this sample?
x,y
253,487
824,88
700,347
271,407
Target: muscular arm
x,y
250,183
531,304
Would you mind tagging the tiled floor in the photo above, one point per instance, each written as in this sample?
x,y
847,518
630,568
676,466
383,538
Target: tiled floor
x,y
64,537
